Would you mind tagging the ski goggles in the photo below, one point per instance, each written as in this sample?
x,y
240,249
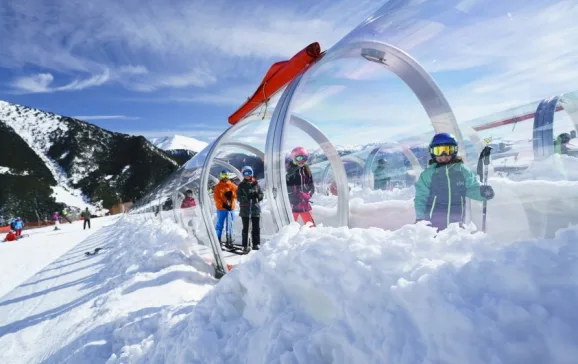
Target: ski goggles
x,y
224,176
439,150
301,158
247,173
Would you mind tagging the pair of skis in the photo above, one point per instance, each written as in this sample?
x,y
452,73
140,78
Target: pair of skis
x,y
228,245
235,248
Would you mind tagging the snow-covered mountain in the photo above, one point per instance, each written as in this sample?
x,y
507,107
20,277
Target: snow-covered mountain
x,y
47,159
176,142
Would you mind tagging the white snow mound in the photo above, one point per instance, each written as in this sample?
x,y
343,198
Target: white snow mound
x,y
338,295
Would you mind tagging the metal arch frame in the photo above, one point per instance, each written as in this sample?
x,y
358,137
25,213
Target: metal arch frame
x,y
371,158
204,201
400,63
275,163
245,146
349,157
414,76
275,169
334,160
227,165
543,130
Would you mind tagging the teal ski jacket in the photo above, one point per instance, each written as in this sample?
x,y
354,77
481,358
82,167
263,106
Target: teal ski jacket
x,y
441,192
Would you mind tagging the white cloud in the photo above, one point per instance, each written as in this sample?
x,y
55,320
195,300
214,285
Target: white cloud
x,y
105,117
42,83
147,45
35,83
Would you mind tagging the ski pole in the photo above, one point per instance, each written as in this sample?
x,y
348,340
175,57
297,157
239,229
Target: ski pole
x,y
250,230
483,170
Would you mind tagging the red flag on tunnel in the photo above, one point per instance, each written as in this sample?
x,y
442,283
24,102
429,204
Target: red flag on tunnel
x,y
279,75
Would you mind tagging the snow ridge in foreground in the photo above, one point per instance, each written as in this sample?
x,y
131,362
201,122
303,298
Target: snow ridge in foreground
x,y
333,295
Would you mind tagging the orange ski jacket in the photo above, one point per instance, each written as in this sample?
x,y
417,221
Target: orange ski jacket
x,y
219,194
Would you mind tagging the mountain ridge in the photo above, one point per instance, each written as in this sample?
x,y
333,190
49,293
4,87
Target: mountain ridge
x,y
49,160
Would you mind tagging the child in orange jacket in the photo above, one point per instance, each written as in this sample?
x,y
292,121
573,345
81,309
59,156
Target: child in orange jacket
x,y
225,194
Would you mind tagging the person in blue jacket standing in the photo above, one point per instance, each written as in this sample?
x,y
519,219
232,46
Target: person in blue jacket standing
x,y
18,226
442,188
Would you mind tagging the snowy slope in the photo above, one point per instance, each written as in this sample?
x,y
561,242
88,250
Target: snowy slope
x,y
82,309
179,142
24,258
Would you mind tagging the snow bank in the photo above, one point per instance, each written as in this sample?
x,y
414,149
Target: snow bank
x,y
334,295
83,309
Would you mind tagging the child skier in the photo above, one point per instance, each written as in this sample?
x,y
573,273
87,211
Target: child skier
x,y
300,185
442,188
189,200
249,194
56,219
225,194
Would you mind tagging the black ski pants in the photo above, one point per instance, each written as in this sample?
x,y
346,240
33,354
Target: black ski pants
x,y
255,231
86,222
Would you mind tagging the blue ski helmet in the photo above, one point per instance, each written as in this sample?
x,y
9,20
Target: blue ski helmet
x,y
443,139
247,171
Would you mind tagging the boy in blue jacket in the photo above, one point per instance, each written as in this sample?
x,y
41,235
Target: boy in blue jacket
x,y
442,188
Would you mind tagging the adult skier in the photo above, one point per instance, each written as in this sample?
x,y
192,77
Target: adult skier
x,y
86,216
225,194
18,226
300,185
381,178
561,143
442,188
249,194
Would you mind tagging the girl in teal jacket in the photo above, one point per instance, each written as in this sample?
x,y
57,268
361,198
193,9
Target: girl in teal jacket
x,y
442,188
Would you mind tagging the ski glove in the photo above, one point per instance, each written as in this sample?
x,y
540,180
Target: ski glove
x,y
227,206
487,192
304,196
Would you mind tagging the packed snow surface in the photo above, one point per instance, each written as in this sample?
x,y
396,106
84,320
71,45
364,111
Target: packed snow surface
x,y
321,295
21,259
82,309
179,142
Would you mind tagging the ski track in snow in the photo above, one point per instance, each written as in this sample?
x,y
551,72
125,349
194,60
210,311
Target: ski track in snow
x,y
76,308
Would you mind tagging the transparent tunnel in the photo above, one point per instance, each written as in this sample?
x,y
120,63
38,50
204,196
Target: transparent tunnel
x,y
346,142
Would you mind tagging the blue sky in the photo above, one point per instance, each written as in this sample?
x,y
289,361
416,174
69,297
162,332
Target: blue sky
x,y
156,68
